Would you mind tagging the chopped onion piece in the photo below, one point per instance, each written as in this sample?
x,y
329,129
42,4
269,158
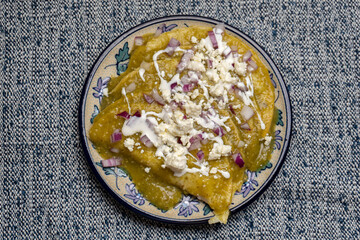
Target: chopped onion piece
x,y
227,52
157,97
247,56
146,141
213,39
252,66
232,109
131,87
124,114
245,126
137,114
159,30
116,136
196,138
150,124
111,162
200,154
188,87
247,113
173,85
195,145
185,59
238,159
209,63
219,28
138,41
204,141
218,130
173,105
148,98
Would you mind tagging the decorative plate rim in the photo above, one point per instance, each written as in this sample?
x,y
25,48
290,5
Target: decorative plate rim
x,y
265,55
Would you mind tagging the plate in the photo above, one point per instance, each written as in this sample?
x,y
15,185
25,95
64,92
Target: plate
x,y
112,62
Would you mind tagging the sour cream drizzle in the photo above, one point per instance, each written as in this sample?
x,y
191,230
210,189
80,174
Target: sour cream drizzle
x,y
123,91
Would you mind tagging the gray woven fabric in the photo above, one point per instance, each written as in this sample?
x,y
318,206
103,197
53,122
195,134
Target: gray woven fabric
x,y
49,192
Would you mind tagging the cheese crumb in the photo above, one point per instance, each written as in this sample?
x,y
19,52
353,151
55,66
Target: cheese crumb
x,y
147,169
219,150
129,144
106,92
194,39
267,140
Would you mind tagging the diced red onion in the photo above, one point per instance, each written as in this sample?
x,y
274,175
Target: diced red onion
x,y
213,39
148,98
185,59
111,162
200,154
146,141
157,97
252,66
247,113
116,136
188,87
247,56
114,150
196,138
137,114
150,124
159,30
131,121
173,85
173,105
209,63
173,44
194,76
245,126
195,145
204,115
184,117
227,52
204,141
124,114
131,87
139,41
218,130
238,159
232,109
219,28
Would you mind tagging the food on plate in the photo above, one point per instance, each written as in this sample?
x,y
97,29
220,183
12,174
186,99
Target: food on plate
x,y
192,112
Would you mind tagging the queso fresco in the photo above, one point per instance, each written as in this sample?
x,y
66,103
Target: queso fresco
x,y
192,112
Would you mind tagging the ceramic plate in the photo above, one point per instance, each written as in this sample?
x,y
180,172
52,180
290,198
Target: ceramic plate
x,y
113,62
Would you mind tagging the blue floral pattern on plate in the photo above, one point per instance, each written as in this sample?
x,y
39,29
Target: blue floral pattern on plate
x,y
133,194
187,206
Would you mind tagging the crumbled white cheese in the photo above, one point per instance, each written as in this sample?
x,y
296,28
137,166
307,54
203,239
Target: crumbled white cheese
x,y
219,150
129,144
213,170
106,92
240,68
147,169
267,140
192,109
196,66
194,94
194,39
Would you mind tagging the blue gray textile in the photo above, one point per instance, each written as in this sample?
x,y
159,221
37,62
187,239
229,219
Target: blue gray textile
x,y
49,192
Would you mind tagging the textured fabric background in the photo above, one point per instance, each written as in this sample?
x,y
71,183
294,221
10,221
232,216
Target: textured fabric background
x,y
47,189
